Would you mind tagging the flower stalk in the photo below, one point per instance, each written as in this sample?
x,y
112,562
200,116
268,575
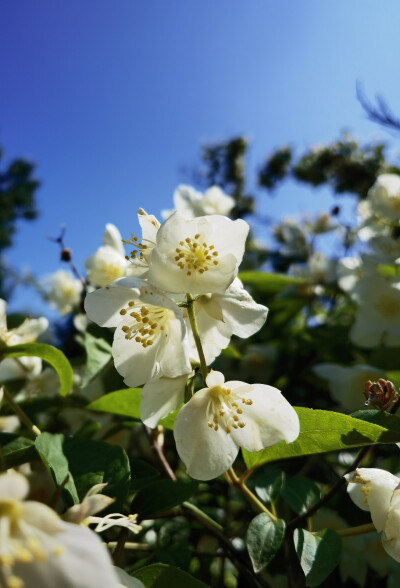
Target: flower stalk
x,y
196,336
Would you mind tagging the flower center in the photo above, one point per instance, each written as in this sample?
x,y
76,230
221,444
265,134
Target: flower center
x,y
140,251
195,255
146,322
225,409
24,549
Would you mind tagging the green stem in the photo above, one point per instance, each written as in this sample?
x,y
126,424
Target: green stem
x,y
360,530
238,483
202,514
21,414
196,336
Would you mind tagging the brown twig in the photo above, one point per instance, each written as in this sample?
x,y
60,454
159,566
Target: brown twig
x,y
157,447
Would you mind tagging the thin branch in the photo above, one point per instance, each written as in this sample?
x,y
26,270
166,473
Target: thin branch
x,y
379,113
157,447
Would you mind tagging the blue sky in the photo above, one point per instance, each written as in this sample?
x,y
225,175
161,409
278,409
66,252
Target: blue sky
x,y
111,98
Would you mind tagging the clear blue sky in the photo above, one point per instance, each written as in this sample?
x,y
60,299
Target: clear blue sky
x,y
111,98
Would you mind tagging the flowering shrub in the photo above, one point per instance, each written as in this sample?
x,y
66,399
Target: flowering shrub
x,y
174,435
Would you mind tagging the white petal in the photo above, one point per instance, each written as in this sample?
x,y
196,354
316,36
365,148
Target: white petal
x,y
128,581
41,516
215,378
149,225
244,316
205,452
214,335
187,201
159,397
269,420
3,315
112,238
81,561
103,306
377,487
135,363
13,486
391,531
31,329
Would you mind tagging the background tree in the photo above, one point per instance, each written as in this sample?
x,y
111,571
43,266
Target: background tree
x,y
17,196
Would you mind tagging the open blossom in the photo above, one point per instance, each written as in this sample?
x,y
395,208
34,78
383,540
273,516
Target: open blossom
x,y
378,315
192,203
63,291
384,196
25,368
378,492
37,548
346,383
108,263
200,256
142,248
217,420
219,316
150,336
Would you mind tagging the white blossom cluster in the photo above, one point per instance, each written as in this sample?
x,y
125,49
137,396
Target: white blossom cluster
x,y
189,264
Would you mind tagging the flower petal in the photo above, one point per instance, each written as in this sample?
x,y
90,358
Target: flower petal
x,y
206,452
159,397
268,420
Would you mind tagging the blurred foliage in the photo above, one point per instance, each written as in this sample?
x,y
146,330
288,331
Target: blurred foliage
x,y
345,166
17,197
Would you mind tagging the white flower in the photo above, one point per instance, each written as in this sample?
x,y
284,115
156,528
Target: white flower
x,y
384,196
63,291
292,237
160,396
108,263
378,492
346,383
141,249
219,419
386,249
191,203
219,316
37,548
350,270
150,338
318,269
321,224
378,315
23,368
199,256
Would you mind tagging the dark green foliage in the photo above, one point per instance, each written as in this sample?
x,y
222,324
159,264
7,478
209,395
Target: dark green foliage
x,y
17,201
344,165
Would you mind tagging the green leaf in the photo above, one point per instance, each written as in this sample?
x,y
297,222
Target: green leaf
x,y
95,462
269,283
394,377
300,493
267,483
17,450
143,474
391,422
162,495
50,449
263,539
125,402
161,576
318,553
231,352
322,431
98,354
48,353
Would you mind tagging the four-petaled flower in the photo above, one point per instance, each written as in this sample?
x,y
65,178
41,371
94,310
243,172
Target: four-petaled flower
x,y
150,336
200,255
217,420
